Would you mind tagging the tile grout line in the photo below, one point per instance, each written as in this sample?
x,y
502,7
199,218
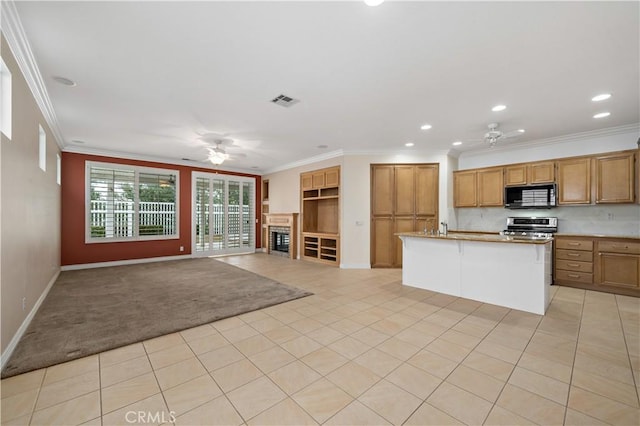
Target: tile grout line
x,y
575,354
626,345
33,410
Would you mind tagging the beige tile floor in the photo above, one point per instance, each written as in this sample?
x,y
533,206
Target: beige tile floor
x,y
362,350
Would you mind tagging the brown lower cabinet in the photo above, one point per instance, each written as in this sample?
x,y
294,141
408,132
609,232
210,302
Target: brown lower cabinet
x,y
598,263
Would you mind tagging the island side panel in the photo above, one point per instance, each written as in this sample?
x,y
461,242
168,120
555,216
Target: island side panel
x,y
516,276
431,264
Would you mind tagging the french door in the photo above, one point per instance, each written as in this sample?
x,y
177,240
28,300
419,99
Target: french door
x,y
223,214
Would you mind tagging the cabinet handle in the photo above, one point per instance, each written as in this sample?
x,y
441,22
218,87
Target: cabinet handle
x,y
573,265
573,276
574,244
573,254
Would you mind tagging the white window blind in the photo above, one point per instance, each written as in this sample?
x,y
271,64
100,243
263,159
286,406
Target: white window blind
x,y
131,203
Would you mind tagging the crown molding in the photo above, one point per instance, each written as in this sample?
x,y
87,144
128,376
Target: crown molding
x,y
19,44
74,149
609,131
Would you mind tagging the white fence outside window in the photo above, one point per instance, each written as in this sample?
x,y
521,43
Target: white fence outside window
x,y
116,219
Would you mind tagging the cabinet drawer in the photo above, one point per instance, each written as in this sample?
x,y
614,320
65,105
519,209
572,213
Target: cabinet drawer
x,y
574,244
570,265
619,247
580,277
581,256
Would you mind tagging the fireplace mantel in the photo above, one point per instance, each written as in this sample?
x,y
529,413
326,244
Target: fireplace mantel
x,y
288,220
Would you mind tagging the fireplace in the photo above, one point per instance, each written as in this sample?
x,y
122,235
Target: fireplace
x,y
282,231
279,240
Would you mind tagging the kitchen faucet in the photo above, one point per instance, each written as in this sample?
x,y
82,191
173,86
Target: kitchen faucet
x,y
445,228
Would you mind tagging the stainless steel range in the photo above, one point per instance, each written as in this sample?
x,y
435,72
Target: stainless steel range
x,y
531,228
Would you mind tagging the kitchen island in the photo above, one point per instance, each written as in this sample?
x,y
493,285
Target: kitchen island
x,y
489,268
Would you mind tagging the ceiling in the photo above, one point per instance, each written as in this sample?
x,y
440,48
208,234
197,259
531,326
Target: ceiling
x,y
153,77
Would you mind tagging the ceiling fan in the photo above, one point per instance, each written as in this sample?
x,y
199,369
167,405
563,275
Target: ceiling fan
x,y
494,135
215,146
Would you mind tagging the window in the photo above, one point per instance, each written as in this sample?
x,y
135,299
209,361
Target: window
x,y
58,169
5,99
42,149
131,203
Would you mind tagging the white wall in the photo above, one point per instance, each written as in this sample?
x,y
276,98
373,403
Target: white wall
x,y
284,196
30,221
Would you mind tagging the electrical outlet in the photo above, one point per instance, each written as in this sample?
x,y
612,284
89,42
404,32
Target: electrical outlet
x,y
610,216
181,248
24,303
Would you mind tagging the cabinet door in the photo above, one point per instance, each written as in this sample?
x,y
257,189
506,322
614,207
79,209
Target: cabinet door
x,y
318,179
382,190
491,188
515,175
574,181
619,270
427,190
543,172
401,224
332,178
464,189
614,179
383,243
306,181
404,190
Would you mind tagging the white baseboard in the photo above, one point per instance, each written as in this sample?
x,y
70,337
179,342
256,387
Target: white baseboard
x,y
123,262
355,266
23,327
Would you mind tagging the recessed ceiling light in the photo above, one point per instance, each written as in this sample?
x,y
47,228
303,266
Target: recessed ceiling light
x,y
425,126
499,108
520,130
409,144
77,141
373,3
456,143
601,97
255,167
322,146
602,115
64,81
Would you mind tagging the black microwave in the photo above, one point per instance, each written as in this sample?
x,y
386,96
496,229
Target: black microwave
x,y
530,196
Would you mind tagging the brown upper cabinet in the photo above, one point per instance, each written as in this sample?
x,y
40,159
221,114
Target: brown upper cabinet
x,y
491,187
529,173
464,188
615,178
479,188
604,178
574,181
327,178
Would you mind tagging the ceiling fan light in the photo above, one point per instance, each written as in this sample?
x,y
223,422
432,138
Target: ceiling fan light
x,y
218,157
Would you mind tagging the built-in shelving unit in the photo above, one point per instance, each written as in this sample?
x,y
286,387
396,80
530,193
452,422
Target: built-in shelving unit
x,y
320,211
265,213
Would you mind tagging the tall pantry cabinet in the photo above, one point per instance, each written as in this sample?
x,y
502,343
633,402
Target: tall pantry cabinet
x,y
404,198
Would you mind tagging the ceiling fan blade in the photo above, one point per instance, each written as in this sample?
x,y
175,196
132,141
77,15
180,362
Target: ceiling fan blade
x,y
512,134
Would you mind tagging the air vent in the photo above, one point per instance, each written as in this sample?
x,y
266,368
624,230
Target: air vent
x,y
284,100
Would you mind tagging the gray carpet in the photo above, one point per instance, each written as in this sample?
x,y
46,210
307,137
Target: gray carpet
x,y
94,310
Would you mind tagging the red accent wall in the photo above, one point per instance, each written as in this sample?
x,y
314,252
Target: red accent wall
x,y
76,251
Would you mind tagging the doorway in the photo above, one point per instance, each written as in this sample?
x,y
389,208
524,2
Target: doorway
x,y
223,214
